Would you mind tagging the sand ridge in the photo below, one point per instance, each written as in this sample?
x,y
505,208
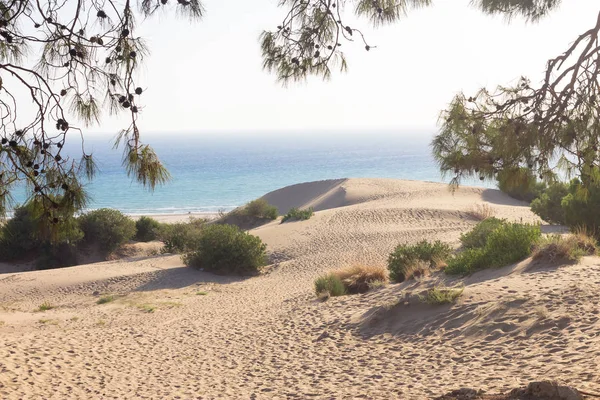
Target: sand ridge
x,y
172,332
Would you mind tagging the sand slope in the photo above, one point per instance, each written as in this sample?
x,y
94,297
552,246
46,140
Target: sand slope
x,y
173,332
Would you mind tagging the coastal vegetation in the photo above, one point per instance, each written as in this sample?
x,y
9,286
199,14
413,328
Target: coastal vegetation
x,y
259,208
106,229
354,279
226,249
146,229
296,214
415,260
180,237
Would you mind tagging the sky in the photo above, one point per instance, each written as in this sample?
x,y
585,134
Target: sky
x,y
207,76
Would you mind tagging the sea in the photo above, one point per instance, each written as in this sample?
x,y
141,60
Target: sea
x,y
214,172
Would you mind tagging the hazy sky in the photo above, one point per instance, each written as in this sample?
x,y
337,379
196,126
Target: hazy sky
x,y
207,76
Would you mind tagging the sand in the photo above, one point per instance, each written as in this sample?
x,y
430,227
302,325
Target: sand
x,y
172,332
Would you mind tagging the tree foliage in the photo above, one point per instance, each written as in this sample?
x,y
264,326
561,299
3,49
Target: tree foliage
x,y
88,55
552,130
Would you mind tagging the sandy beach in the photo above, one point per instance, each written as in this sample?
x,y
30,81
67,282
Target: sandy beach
x,y
173,332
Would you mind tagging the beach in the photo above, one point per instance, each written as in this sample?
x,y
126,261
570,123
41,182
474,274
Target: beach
x,y
173,332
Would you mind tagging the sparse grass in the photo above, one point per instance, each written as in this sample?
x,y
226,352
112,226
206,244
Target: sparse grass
x,y
351,280
481,212
106,299
101,322
377,284
170,304
438,296
295,214
329,286
147,308
2,323
408,260
542,312
201,293
567,248
45,307
356,278
48,322
74,319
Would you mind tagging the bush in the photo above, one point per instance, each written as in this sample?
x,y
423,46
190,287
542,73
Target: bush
x,y
439,296
565,248
23,236
405,257
227,249
295,214
260,208
359,278
478,236
329,286
507,244
582,207
181,237
520,184
549,205
146,229
107,228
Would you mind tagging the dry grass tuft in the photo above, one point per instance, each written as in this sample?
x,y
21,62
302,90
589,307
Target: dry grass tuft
x,y
565,248
481,211
359,278
438,296
417,269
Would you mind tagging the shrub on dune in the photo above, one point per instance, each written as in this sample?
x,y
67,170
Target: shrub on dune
x,y
260,208
478,236
565,248
146,229
359,278
403,261
439,296
295,214
227,249
107,228
507,244
329,285
180,237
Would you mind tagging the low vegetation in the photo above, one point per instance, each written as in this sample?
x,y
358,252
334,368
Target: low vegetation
x,y
565,247
181,237
477,237
482,211
507,244
410,260
107,229
520,184
329,285
106,299
260,208
147,229
439,296
295,214
226,249
351,280
45,307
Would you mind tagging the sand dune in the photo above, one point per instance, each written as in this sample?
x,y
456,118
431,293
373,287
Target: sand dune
x,y
172,332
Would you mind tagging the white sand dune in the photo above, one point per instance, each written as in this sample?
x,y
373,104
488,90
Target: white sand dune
x,y
267,337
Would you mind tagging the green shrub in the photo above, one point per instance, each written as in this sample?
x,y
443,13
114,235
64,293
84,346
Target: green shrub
x,y
329,286
260,208
582,207
520,184
439,296
295,214
107,228
478,236
26,235
549,204
509,243
181,237
405,257
227,249
146,229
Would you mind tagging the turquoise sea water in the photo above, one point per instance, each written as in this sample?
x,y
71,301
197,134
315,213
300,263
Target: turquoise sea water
x,y
212,172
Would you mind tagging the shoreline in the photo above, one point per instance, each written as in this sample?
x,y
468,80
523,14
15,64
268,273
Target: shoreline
x,y
175,218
